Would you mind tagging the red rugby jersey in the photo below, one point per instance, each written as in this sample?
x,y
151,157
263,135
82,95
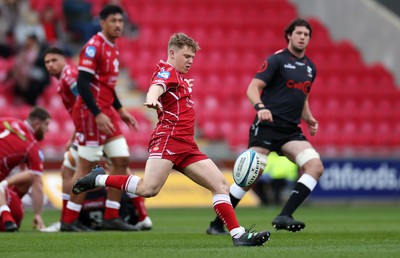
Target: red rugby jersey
x,y
100,57
178,115
18,146
67,88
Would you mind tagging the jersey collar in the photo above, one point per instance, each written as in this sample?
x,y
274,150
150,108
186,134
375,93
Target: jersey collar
x,y
105,39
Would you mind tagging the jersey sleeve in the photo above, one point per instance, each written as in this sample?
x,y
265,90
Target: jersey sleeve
x,y
35,160
268,69
70,81
89,57
166,78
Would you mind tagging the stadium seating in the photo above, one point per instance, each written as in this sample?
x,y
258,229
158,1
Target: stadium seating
x,y
355,103
235,37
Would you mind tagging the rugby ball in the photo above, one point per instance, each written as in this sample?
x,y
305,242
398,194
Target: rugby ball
x,y
246,168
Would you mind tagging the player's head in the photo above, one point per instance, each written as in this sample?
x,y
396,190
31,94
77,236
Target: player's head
x,y
298,34
54,60
181,51
112,21
39,119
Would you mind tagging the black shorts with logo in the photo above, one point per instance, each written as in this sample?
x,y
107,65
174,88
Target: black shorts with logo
x,y
274,136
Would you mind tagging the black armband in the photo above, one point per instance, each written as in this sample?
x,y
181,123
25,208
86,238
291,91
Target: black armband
x,y
83,83
257,106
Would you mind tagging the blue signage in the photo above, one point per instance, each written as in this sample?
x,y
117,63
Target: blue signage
x,y
358,178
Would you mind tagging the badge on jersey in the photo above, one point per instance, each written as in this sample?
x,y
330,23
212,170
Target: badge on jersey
x,y
163,74
90,51
40,153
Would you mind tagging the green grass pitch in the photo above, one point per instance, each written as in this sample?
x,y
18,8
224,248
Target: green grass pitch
x,y
334,231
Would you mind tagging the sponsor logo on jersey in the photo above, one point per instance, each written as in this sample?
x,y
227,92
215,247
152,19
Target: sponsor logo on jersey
x,y
289,66
90,51
163,74
87,62
300,63
303,86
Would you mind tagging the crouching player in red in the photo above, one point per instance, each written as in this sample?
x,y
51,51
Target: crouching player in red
x,y
172,144
19,146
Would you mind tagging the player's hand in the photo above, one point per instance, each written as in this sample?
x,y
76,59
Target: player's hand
x,y
38,222
153,104
264,115
104,123
128,119
190,82
312,126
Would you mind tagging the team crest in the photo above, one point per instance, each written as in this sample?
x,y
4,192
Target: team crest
x,y
90,51
263,67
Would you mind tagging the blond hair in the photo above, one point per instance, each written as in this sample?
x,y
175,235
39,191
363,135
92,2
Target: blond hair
x,y
180,40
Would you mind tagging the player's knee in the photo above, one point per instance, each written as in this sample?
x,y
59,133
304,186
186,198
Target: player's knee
x,y
318,167
305,156
309,160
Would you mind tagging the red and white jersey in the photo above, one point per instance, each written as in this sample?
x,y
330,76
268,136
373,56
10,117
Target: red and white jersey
x,y
18,146
100,57
177,117
67,86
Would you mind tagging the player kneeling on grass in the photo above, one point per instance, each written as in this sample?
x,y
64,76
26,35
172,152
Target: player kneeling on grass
x,y
19,147
172,144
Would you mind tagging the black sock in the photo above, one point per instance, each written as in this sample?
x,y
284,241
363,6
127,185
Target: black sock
x,y
299,193
217,221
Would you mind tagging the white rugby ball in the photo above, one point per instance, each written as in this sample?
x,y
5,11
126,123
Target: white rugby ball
x,y
246,168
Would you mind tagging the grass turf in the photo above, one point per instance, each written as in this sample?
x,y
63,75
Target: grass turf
x,y
335,231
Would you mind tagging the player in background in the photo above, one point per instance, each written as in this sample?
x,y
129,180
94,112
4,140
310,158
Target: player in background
x,y
67,75
172,144
97,121
19,147
285,81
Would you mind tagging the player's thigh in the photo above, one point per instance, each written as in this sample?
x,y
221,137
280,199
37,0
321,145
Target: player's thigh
x,y
208,175
155,175
293,148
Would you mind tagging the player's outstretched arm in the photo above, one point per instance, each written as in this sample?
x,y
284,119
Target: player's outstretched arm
x,y
155,91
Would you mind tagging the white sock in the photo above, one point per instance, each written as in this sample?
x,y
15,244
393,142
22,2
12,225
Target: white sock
x,y
65,196
237,191
101,180
112,204
131,195
237,232
4,208
308,181
74,206
132,183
